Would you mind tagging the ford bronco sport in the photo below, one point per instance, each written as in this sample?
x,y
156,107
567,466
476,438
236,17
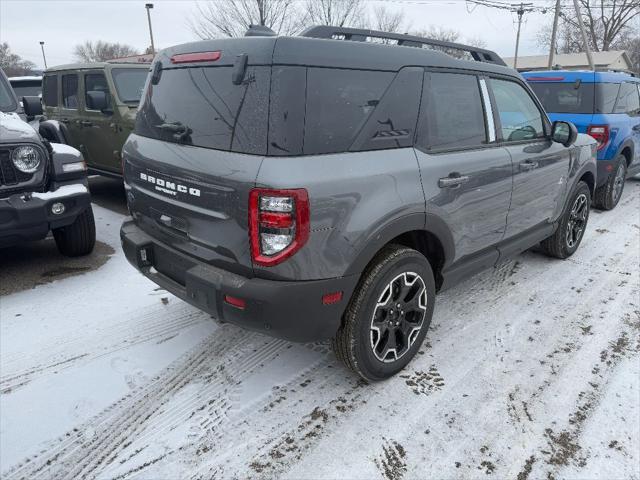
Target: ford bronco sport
x,y
43,185
97,103
328,185
605,105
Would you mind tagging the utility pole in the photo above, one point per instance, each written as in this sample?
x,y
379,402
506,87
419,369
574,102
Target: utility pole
x,y
552,48
149,6
584,35
43,56
520,10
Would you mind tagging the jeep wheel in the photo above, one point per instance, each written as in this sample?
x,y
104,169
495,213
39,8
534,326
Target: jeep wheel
x,y
608,195
388,316
79,238
573,223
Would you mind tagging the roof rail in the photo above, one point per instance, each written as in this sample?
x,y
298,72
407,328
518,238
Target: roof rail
x,y
361,35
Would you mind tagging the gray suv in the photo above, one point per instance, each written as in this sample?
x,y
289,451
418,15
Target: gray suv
x,y
328,185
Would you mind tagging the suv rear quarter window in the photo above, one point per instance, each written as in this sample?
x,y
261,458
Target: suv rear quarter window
x,y
452,112
339,103
50,90
628,100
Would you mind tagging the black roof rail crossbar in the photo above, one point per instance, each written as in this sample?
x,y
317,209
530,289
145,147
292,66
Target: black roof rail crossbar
x,y
362,35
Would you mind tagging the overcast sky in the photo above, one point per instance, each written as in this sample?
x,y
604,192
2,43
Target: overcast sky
x,y
63,24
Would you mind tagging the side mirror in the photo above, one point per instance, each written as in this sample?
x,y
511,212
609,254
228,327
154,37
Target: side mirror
x,y
97,100
32,106
564,133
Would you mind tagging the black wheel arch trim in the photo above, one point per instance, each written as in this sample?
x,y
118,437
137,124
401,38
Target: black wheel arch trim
x,y
628,143
427,223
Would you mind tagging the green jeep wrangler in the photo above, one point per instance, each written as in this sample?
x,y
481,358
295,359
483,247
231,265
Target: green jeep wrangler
x,y
97,104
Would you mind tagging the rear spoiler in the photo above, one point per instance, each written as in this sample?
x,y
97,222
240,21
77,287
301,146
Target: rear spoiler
x,y
361,35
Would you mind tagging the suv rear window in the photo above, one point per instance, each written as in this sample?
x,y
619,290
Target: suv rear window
x,y
576,97
202,107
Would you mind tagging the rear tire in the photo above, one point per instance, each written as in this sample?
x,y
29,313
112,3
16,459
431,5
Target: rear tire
x,y
608,195
573,223
389,314
79,238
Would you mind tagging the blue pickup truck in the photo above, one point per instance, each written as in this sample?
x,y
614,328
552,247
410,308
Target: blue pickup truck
x,y
605,105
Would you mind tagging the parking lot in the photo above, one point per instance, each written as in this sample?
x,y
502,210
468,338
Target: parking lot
x,y
530,370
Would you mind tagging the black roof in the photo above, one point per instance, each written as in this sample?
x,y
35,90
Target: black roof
x,y
309,50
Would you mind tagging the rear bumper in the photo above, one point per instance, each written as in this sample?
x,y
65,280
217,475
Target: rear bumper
x,y
24,218
292,310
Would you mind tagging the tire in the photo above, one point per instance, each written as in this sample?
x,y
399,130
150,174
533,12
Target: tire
x,y
79,238
608,195
365,346
573,223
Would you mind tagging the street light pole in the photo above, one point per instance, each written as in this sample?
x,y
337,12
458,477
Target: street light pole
x,y
149,6
43,55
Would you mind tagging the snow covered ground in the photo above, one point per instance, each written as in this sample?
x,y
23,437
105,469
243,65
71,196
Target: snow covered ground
x,y
530,370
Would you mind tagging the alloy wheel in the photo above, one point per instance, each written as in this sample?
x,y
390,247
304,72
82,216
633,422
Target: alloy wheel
x,y
398,317
577,220
618,183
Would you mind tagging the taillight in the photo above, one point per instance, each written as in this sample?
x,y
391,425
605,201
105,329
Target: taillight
x,y
600,133
278,224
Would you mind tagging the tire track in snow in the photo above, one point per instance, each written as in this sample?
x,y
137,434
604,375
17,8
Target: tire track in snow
x,y
64,352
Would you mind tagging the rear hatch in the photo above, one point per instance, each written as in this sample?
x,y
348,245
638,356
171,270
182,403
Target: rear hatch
x,y
199,139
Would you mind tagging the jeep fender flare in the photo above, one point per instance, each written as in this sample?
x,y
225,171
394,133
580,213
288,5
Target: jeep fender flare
x,y
414,222
54,131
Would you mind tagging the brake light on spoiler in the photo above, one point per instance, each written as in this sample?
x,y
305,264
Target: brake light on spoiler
x,y
196,57
278,224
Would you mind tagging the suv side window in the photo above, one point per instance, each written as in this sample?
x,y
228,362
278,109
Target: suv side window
x,y
339,102
628,100
519,116
95,82
453,113
70,91
50,90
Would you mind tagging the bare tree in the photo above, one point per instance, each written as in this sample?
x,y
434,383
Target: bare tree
x,y
232,18
438,33
13,64
102,51
607,23
338,13
387,21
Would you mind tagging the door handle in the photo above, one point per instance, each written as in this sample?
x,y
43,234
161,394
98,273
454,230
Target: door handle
x,y
527,166
86,123
453,181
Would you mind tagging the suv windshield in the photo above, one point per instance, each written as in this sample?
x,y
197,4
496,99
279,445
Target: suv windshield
x,y
129,83
7,98
576,97
27,88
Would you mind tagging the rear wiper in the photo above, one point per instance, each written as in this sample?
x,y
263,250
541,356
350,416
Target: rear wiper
x,y
181,132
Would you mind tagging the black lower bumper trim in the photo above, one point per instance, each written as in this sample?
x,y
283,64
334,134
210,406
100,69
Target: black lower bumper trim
x,y
292,310
26,216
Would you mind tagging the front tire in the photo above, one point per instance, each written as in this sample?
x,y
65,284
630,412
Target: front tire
x,y
573,223
608,195
79,238
389,314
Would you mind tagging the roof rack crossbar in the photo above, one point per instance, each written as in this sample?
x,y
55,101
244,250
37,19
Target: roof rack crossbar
x,y
362,35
